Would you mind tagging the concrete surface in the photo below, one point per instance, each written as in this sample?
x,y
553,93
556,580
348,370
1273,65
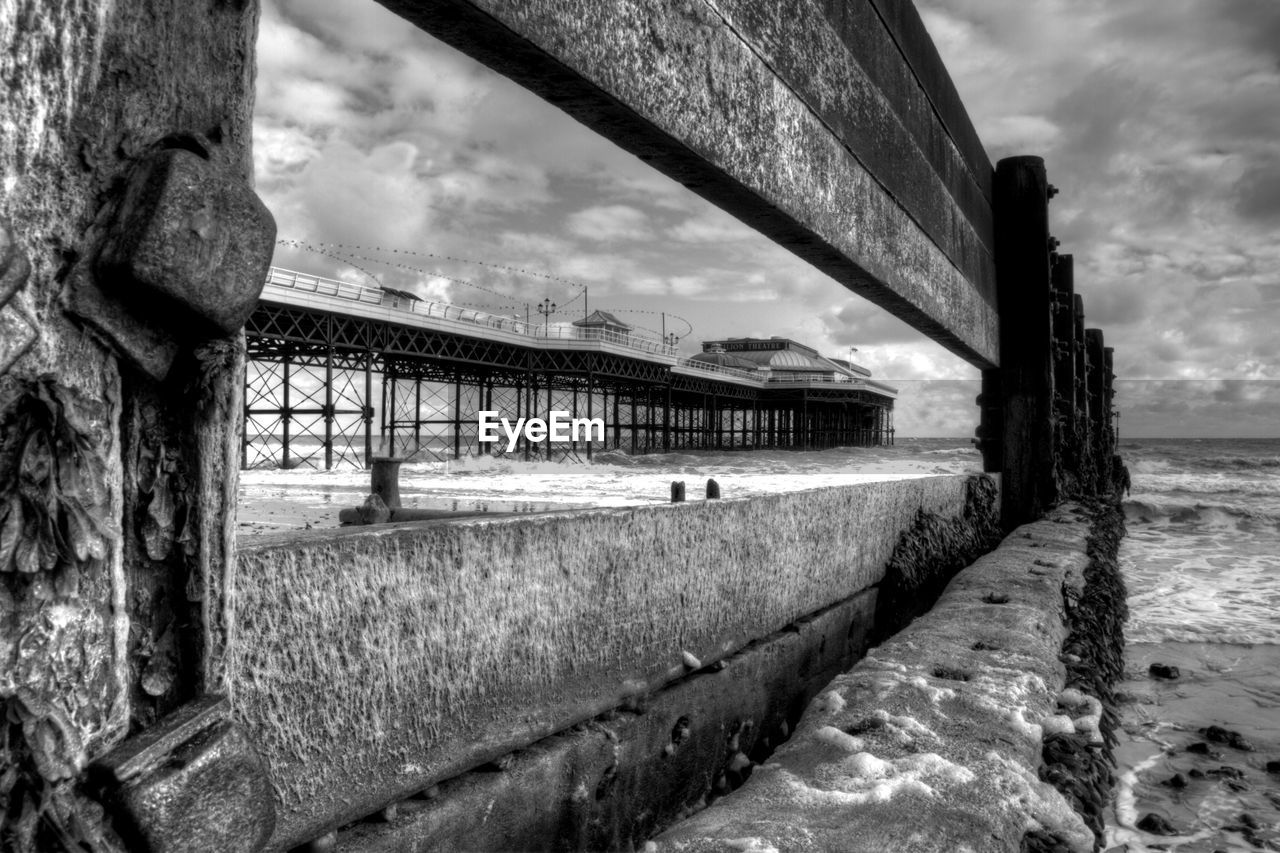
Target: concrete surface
x,y
368,663
611,783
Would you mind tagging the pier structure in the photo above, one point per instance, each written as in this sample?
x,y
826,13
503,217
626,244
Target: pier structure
x,y
330,362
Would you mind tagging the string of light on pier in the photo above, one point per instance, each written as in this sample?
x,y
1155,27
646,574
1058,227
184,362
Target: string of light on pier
x,y
350,254
344,254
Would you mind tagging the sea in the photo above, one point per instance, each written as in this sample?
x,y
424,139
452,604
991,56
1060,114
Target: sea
x,y
1202,564
1201,561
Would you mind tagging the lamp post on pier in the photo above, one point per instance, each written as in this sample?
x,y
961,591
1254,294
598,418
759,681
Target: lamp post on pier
x,y
546,308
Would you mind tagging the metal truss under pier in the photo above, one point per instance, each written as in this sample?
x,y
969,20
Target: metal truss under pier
x,y
320,350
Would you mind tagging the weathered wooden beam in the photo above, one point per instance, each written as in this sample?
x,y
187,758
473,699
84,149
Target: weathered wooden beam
x,y
806,122
1026,357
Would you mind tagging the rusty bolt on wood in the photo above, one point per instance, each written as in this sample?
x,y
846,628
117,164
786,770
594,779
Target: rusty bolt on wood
x,y
190,233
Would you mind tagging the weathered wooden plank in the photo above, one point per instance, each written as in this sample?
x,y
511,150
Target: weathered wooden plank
x,y
903,22
852,75
773,118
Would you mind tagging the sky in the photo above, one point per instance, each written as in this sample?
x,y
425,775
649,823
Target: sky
x,y
392,156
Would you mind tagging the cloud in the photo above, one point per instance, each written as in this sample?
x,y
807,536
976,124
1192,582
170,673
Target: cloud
x,y
1258,192
936,408
712,226
1167,155
1198,408
610,223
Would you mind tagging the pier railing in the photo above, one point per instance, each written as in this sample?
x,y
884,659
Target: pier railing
x,y
282,281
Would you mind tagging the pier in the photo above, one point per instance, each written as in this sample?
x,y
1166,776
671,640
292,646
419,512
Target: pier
x,y
322,353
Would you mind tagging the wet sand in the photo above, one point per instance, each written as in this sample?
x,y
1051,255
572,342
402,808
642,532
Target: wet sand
x,y
1230,801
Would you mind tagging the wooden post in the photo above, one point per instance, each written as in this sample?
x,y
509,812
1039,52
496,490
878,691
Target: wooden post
x,y
384,480
1097,384
1064,370
1021,208
1084,449
1108,414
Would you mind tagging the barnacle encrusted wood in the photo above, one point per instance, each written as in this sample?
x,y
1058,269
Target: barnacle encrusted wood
x,y
369,663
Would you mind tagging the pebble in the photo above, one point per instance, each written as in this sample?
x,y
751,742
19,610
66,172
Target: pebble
x,y
1273,766
1166,671
1217,734
1177,780
1156,824
1225,772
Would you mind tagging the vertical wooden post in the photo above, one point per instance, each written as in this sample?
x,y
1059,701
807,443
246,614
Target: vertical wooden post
x,y
1108,414
1064,370
1084,448
1097,384
1021,207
